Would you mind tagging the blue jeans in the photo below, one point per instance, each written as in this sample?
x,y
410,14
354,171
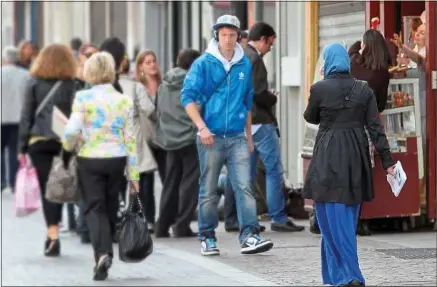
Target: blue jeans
x,y
266,142
229,208
234,153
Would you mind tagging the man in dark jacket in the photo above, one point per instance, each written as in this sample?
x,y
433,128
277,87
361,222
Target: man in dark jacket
x,y
176,134
265,129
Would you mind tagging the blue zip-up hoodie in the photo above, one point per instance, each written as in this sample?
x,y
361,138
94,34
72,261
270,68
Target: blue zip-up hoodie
x,y
225,100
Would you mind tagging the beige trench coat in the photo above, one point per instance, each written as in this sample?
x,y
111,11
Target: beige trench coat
x,y
144,129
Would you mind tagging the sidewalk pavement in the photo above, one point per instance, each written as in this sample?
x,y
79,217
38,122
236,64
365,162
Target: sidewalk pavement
x,y
23,263
401,259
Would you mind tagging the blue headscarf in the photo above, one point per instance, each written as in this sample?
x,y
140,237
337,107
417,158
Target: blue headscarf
x,y
336,60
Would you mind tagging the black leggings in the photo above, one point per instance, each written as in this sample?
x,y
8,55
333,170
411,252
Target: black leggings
x,y
42,154
147,184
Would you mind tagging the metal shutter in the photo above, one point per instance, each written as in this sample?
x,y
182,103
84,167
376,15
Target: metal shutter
x,y
341,22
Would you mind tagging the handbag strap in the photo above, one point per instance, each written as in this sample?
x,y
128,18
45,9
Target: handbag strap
x,y
48,97
135,198
346,99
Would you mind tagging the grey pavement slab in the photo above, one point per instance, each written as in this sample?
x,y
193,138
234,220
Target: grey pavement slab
x,y
23,263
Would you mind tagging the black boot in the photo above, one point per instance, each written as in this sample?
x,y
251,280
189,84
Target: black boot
x,y
354,283
288,226
363,228
52,247
314,227
102,267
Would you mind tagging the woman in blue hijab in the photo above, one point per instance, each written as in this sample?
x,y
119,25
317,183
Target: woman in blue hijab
x,y
339,177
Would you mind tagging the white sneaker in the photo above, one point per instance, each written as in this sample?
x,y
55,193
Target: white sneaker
x,y
256,244
209,247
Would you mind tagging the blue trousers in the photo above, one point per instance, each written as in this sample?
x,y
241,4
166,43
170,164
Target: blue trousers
x,y
267,147
338,223
230,208
234,153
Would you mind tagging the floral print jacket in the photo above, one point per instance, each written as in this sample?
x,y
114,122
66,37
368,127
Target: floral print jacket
x,y
103,119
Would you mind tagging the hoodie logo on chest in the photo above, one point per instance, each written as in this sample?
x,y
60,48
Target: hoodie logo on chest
x,y
241,76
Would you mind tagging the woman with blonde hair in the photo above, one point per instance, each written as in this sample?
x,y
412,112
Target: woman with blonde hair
x,y
53,72
103,119
145,98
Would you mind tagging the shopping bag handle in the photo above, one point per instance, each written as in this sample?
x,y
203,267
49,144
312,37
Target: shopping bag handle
x,y
25,161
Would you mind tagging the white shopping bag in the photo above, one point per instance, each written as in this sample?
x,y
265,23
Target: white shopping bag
x,y
59,121
398,180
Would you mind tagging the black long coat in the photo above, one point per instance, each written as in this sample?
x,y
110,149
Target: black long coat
x,y
340,170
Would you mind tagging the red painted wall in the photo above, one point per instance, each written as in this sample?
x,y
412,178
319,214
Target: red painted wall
x,y
372,10
412,8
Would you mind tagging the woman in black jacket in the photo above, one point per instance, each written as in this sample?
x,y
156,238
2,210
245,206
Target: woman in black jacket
x,y
36,138
339,177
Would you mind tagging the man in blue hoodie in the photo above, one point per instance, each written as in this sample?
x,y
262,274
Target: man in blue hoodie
x,y
218,95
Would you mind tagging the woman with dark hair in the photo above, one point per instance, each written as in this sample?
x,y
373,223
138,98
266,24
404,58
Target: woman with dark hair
x,y
371,64
370,60
117,50
339,178
28,52
176,134
55,64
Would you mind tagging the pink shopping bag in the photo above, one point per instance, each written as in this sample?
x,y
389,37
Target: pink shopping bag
x,y
27,190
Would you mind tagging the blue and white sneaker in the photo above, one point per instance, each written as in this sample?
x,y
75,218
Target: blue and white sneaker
x,y
209,247
256,244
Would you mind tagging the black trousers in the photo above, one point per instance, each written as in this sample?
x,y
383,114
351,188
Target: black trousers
x,y
180,191
42,154
100,179
147,184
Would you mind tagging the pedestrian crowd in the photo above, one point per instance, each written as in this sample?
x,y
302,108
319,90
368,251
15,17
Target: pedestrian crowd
x,y
206,128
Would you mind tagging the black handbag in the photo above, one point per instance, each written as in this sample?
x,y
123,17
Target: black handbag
x,y
135,243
